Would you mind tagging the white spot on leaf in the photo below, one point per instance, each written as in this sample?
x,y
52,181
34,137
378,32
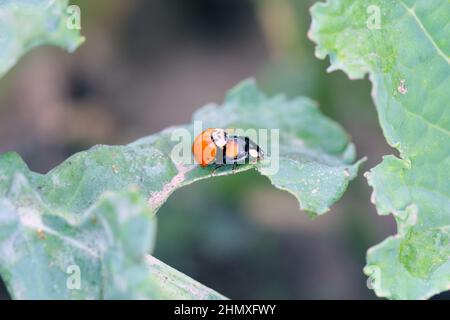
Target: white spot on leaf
x,y
401,87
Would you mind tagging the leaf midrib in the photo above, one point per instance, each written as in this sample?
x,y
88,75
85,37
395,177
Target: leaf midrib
x,y
411,12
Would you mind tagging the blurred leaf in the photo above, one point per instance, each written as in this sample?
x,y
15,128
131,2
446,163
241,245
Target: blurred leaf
x,y
47,219
25,24
172,284
407,58
108,244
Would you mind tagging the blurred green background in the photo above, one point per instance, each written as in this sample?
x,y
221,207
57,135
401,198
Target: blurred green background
x,y
147,65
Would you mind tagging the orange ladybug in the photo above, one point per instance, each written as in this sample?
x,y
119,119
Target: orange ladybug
x,y
215,146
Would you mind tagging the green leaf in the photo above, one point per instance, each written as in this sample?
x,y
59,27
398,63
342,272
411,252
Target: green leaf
x,y
315,165
25,24
407,59
316,159
108,244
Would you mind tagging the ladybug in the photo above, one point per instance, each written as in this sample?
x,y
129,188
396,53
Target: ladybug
x,y
215,147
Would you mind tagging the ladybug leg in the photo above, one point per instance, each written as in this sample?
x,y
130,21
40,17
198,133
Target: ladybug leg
x,y
216,166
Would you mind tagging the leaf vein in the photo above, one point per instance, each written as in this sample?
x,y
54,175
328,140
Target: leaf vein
x,y
425,31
